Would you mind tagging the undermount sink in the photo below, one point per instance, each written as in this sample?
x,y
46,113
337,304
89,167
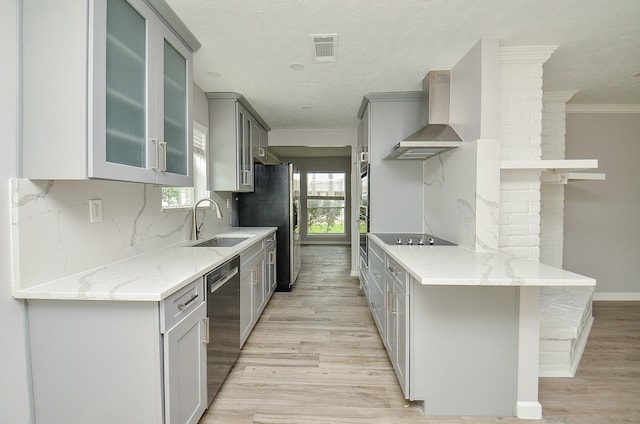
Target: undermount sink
x,y
220,242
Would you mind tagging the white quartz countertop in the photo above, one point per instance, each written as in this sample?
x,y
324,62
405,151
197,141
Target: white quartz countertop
x,y
455,265
149,277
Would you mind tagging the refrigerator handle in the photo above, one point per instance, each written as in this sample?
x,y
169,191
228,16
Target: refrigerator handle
x,y
295,215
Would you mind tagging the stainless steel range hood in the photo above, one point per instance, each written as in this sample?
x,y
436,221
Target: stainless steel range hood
x,y
437,136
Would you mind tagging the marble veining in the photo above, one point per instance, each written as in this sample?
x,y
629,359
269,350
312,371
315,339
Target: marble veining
x,y
455,265
148,277
52,237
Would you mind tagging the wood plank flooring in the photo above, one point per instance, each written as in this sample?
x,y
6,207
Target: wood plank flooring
x,y
606,387
315,357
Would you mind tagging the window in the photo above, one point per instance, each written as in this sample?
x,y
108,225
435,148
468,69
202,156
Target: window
x,y
325,203
182,197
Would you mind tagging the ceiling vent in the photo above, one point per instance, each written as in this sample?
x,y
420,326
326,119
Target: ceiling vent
x,y
324,47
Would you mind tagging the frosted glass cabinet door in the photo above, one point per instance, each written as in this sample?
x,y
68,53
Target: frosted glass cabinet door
x,y
175,110
141,90
126,85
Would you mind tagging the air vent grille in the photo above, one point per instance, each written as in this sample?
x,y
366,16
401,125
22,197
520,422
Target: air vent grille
x,y
324,47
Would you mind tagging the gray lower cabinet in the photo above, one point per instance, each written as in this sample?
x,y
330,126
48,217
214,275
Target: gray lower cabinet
x,y
257,282
185,355
270,258
397,324
252,288
119,361
453,348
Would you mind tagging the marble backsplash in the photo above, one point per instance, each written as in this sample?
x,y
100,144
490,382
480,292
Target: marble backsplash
x,y
52,235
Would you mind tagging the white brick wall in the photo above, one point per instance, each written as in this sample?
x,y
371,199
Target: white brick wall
x,y
552,195
520,213
521,139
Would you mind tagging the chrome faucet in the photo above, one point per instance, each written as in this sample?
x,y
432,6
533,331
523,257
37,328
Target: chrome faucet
x,y
195,230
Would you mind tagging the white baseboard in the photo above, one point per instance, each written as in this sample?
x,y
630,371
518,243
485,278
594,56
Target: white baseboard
x,y
529,410
617,297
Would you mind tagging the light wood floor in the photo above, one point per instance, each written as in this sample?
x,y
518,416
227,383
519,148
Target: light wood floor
x,y
315,357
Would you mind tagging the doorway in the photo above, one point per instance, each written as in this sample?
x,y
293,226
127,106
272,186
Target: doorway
x,y
325,199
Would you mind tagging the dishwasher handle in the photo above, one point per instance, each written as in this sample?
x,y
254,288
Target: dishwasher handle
x,y
215,285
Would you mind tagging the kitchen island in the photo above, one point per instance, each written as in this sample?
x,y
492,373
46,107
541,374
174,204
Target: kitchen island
x,y
461,327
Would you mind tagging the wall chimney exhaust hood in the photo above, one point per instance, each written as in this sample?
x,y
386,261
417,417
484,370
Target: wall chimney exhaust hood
x,y
437,136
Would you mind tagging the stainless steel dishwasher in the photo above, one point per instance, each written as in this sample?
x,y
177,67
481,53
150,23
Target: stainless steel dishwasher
x,y
223,310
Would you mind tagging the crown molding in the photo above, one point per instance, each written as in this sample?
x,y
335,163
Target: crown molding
x,y
603,108
526,54
558,96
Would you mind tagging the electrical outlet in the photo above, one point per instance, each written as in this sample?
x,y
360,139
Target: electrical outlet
x,y
95,210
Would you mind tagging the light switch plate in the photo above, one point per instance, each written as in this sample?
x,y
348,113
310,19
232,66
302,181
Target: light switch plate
x,y
95,210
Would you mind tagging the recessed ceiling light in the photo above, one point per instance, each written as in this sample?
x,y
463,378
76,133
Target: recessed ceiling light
x,y
637,75
306,108
213,74
297,66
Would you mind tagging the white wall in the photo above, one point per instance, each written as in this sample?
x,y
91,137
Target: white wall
x,y
14,391
314,137
602,218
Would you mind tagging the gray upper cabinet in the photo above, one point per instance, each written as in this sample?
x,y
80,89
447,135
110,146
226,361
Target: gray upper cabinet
x,y
114,104
394,186
234,128
260,145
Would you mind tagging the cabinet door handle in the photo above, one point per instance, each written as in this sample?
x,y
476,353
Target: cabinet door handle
x,y
207,333
163,147
182,306
155,142
254,276
246,177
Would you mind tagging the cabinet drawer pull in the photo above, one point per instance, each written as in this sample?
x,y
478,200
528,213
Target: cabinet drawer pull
x,y
182,306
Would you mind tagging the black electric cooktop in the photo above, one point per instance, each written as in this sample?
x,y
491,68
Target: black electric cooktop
x,y
412,239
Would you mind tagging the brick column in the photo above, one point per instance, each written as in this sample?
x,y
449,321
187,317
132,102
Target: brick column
x,y
521,139
552,195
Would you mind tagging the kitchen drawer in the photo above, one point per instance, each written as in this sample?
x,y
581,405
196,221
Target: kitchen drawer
x,y
377,250
398,273
180,304
270,239
247,255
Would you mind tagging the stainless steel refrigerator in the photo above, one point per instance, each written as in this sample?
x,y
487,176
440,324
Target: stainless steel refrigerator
x,y
275,202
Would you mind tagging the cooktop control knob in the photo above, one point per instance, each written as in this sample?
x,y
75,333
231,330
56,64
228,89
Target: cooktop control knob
x,y
431,240
399,241
410,241
421,241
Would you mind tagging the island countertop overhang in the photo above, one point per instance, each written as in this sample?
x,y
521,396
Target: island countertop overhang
x,y
459,266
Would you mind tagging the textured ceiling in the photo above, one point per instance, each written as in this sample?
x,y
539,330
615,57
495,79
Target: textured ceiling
x,y
383,45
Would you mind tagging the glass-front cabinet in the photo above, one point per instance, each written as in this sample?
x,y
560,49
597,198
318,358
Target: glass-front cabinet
x,y
235,129
131,80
